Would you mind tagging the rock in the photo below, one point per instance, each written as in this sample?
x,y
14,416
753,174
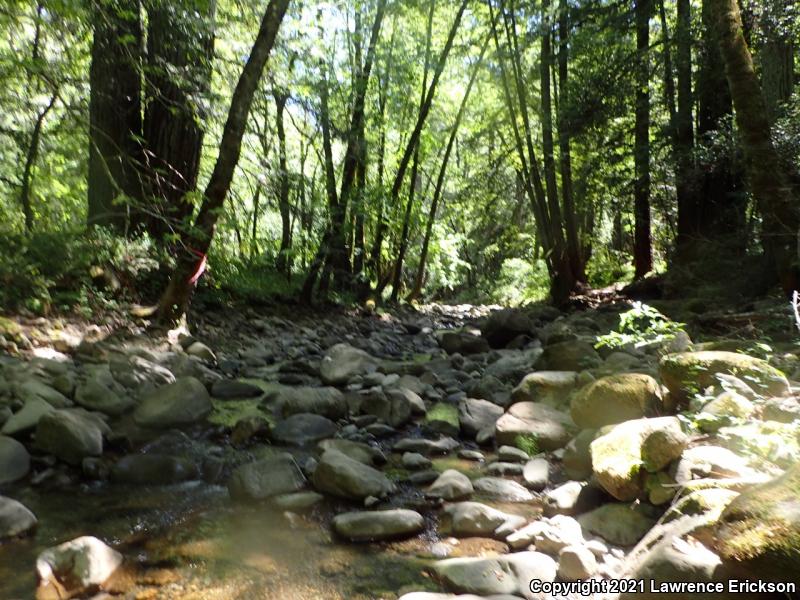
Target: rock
x,y
27,417
502,326
443,418
459,342
475,415
571,497
538,426
340,475
154,469
69,435
512,365
78,564
264,478
414,400
699,502
136,373
378,525
576,563
15,518
342,362
503,469
783,410
297,501
536,474
730,404
712,462
181,403
688,373
502,489
201,351
325,401
15,462
507,574
451,485
443,445
618,523
33,389
476,519
303,429
758,533
355,450
392,407
512,454
96,395
577,459
614,399
573,355
557,533
621,456
415,461
232,389
553,388
471,455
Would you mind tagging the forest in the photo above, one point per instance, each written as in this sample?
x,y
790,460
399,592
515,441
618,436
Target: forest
x,y
398,298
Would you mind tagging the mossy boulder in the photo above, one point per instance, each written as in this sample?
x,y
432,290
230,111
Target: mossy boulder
x,y
700,502
616,398
443,418
572,355
624,454
688,373
759,531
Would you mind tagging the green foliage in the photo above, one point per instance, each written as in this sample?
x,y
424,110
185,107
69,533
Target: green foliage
x,y
250,281
527,442
640,326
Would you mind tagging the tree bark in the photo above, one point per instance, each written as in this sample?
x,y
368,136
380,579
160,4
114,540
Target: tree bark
x,y
683,148
175,301
30,161
769,181
642,244
283,262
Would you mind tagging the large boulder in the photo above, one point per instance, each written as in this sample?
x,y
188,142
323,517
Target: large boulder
x,y
341,476
378,525
178,404
614,399
689,373
392,406
303,429
623,455
553,388
26,418
15,462
476,415
461,342
507,574
572,355
154,469
502,326
343,362
15,518
476,519
535,424
70,435
96,394
81,564
326,401
267,477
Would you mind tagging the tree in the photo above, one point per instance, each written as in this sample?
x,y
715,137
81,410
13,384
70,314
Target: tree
x,y
642,243
175,299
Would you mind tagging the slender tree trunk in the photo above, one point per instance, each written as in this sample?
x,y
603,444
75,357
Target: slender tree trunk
x,y
769,181
115,112
642,245
283,262
175,301
30,162
254,232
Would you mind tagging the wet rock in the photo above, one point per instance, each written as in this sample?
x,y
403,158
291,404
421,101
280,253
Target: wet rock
x,y
553,388
341,476
278,474
363,453
451,485
616,398
502,489
70,435
618,523
536,474
77,565
443,445
476,519
154,469
378,525
15,462
303,429
343,362
508,574
178,404
15,518
475,415
576,563
325,401
573,355
27,417
232,389
543,426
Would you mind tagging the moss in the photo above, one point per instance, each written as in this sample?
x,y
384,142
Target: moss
x,y
9,328
443,413
228,412
527,442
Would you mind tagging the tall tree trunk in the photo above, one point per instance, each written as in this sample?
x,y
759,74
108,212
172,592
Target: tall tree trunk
x,y
685,185
30,162
283,262
777,55
769,180
115,111
180,45
642,245
175,301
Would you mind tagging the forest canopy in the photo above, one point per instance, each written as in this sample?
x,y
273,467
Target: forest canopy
x,y
499,150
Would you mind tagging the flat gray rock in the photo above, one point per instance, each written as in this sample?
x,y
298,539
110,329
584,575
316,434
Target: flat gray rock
x,y
370,526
